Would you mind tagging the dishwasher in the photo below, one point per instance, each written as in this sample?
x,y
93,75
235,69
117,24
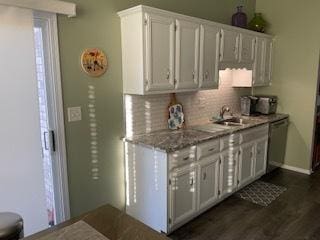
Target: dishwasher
x,y
277,144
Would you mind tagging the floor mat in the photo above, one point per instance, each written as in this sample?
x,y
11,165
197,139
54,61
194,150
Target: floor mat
x,y
261,193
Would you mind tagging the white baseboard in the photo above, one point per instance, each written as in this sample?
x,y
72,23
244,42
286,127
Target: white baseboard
x,y
291,168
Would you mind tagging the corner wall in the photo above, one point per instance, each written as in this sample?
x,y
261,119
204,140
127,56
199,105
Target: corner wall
x,y
296,56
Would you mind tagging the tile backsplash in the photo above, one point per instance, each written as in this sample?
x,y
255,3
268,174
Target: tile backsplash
x,y
145,114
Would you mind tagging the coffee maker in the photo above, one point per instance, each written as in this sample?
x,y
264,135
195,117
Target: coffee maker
x,y
248,105
259,104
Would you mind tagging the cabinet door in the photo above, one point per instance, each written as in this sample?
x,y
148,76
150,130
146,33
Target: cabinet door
x,y
258,68
263,62
247,48
209,57
246,162
228,171
208,181
182,194
160,37
187,55
229,46
268,62
261,157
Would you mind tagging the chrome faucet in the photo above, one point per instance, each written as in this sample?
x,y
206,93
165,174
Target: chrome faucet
x,y
223,110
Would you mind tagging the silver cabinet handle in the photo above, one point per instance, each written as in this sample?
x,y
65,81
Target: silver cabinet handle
x,y
193,74
45,139
206,75
211,149
168,74
191,182
185,158
204,176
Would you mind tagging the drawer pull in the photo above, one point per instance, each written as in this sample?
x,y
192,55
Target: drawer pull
x,y
206,75
185,158
204,176
191,182
168,74
211,149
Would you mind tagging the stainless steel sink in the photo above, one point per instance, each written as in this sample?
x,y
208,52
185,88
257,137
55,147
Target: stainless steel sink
x,y
222,125
211,127
235,121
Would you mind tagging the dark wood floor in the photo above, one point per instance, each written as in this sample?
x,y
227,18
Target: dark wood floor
x,y
294,215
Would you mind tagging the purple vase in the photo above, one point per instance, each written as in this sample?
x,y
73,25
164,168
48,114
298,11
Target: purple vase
x,y
239,19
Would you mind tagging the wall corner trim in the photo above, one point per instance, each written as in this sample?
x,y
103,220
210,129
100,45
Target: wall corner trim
x,y
54,6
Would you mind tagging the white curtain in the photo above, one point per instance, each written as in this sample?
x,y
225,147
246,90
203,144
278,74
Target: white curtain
x,y
21,170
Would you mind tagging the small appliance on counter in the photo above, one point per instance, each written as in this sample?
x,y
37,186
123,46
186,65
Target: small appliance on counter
x,y
260,104
248,105
267,104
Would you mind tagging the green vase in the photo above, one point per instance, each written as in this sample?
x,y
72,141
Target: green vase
x,y
257,23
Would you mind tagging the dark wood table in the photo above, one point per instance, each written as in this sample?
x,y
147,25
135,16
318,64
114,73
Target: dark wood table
x,y
112,223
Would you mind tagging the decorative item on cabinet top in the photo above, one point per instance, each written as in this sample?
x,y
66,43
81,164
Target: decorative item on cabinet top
x,y
257,23
94,62
239,19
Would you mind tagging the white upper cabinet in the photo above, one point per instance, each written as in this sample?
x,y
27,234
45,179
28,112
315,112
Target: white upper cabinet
x,y
166,52
209,56
268,61
229,51
258,69
247,48
187,54
160,37
263,62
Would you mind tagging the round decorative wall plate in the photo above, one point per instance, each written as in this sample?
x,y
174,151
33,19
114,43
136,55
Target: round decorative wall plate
x,y
94,62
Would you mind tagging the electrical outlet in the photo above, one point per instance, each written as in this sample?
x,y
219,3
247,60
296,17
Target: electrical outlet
x,y
74,114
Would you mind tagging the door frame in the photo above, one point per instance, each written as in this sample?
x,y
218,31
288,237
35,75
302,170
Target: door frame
x,y
59,165
317,94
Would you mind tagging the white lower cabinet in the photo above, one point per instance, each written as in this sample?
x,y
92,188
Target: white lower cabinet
x,y
261,156
182,194
246,163
229,172
164,191
209,171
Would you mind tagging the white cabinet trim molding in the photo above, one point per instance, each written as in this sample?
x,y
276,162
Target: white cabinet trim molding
x,y
54,6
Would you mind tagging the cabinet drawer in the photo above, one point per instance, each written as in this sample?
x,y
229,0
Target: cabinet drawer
x,y
229,141
255,133
208,148
182,157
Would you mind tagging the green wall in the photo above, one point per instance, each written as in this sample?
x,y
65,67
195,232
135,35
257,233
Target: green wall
x,y
97,25
295,25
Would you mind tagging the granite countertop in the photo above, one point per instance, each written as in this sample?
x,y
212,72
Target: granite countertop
x,y
170,141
